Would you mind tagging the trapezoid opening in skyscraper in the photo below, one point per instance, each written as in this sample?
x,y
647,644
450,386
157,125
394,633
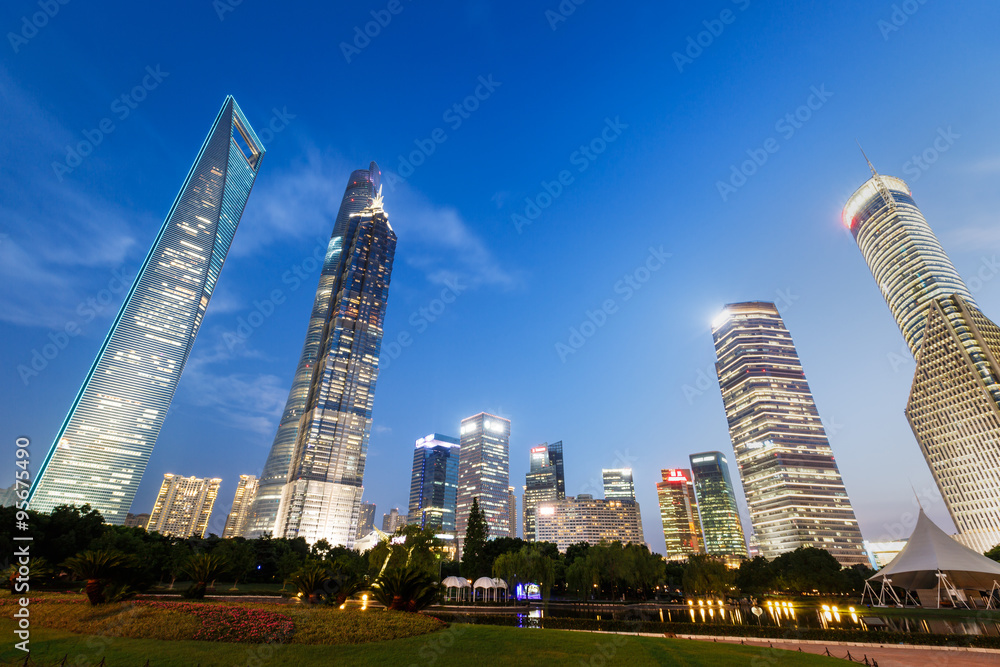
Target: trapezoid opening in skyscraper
x,y
101,450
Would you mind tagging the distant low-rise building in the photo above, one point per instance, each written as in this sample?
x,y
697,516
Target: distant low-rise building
x,y
136,520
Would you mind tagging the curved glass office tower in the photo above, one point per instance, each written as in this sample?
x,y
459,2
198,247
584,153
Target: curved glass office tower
x,y
362,187
721,528
321,498
793,487
102,448
906,259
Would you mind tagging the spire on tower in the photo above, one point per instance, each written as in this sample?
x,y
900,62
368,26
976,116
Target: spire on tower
x,y
879,183
870,165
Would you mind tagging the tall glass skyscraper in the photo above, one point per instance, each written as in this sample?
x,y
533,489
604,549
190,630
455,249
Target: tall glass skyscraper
x,y
556,459
322,497
721,529
792,484
618,483
362,187
541,483
954,404
905,258
484,472
434,483
101,450
679,514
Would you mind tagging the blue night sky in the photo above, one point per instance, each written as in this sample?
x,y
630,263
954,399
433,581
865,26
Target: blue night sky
x,y
644,136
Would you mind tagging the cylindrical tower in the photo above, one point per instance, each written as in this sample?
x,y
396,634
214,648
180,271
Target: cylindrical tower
x,y
906,259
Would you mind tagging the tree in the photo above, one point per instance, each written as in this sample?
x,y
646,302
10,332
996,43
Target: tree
x,y
808,569
239,555
755,577
705,575
412,546
320,549
994,553
99,568
310,580
177,558
202,568
474,562
406,589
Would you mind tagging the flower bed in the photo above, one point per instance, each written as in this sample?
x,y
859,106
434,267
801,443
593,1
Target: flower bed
x,y
225,623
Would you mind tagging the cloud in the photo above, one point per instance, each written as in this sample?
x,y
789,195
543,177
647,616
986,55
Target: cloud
x,y
974,238
246,401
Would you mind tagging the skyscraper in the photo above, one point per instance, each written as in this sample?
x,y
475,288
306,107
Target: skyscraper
x,y
721,529
393,521
618,483
484,472
101,450
954,403
587,519
541,483
908,263
326,326
322,497
366,519
434,483
246,490
183,506
556,459
792,484
679,514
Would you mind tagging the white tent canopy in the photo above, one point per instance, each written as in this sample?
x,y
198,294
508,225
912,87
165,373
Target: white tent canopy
x,y
486,584
461,584
929,552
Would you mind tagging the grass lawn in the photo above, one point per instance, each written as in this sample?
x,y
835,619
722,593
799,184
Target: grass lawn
x,y
458,645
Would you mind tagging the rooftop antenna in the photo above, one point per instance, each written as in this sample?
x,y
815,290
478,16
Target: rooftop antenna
x,y
880,184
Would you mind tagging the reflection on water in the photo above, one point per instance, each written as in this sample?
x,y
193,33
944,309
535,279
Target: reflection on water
x,y
775,614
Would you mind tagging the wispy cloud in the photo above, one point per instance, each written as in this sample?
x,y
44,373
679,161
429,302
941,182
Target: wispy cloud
x,y
974,238
246,401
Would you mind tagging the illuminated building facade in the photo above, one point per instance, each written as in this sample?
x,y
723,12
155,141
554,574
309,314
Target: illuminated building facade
x,y
793,487
366,519
618,483
484,472
954,402
328,305
100,452
587,519
540,484
393,521
719,517
246,490
434,483
322,499
183,506
136,520
679,514
511,512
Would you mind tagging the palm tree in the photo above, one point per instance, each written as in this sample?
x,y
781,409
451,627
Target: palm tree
x,y
310,579
202,568
406,589
97,567
40,571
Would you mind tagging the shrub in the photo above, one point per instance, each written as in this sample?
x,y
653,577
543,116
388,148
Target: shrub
x,y
99,568
202,568
406,589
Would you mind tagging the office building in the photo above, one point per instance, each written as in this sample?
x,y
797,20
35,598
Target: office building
x,y
183,506
362,187
618,483
334,385
719,517
484,473
587,519
393,521
541,483
556,459
793,487
954,403
136,520
434,483
236,522
366,519
101,450
511,512
679,514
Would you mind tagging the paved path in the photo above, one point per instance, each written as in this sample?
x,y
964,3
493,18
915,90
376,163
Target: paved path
x,y
887,656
